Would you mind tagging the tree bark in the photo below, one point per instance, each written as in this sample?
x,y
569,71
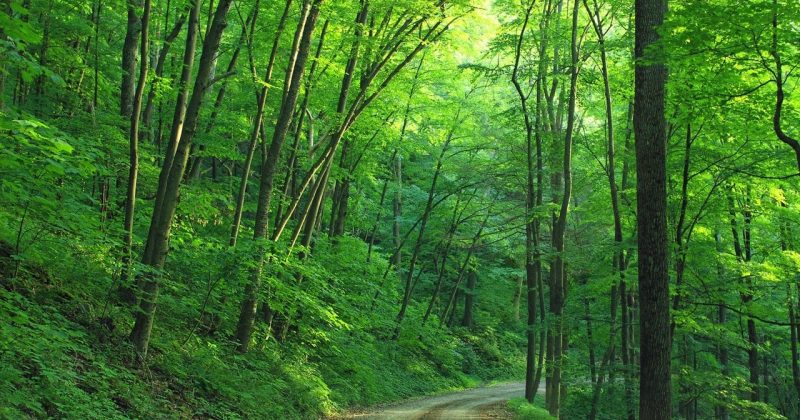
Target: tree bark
x,y
255,130
533,196
342,188
558,280
443,265
469,300
779,93
128,85
147,117
245,38
166,203
649,124
179,116
424,221
291,92
133,141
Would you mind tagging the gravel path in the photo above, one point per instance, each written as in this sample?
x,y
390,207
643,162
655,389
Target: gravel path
x,y
478,403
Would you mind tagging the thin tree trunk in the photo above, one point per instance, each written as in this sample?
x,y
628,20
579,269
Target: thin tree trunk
x,y
618,263
779,94
291,92
290,180
747,297
531,228
245,38
133,139
451,303
257,123
147,117
178,117
558,282
342,187
425,216
366,96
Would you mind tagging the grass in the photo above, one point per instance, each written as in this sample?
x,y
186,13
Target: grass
x,y
523,410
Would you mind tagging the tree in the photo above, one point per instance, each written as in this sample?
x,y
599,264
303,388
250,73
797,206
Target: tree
x,y
169,185
649,124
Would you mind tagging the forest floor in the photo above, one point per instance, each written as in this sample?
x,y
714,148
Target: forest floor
x,y
478,403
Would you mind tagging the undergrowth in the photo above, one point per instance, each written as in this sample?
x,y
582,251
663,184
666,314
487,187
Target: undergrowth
x,y
64,350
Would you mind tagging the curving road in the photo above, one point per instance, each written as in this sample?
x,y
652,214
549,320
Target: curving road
x,y
477,403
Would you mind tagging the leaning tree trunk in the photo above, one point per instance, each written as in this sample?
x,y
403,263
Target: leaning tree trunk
x,y
158,240
421,235
779,92
179,116
256,129
292,83
245,38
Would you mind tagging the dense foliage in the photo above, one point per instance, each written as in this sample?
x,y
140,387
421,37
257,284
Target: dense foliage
x,y
223,209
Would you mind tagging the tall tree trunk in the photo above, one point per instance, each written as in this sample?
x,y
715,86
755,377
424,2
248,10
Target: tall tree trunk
x,y
469,300
342,188
257,123
744,253
779,93
443,265
245,38
747,297
291,92
423,224
366,96
290,189
655,389
558,280
397,203
618,260
133,139
686,404
147,117
167,201
680,230
128,85
532,268
720,411
341,193
179,116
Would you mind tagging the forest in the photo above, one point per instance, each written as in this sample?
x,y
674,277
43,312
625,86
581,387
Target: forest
x,y
307,208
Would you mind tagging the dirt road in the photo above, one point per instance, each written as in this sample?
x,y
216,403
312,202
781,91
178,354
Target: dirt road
x,y
479,403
